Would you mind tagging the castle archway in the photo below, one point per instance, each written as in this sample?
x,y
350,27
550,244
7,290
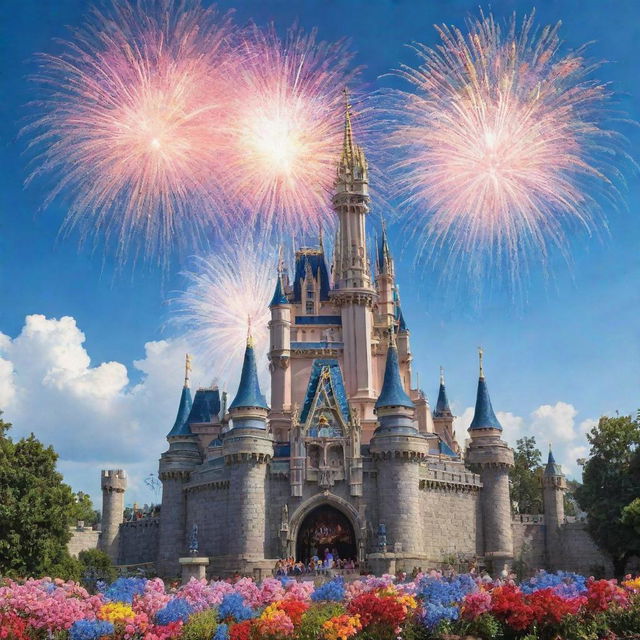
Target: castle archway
x,y
325,529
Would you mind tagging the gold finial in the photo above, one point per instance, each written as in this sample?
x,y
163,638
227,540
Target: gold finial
x,y
392,336
320,238
250,341
187,369
480,356
347,149
442,375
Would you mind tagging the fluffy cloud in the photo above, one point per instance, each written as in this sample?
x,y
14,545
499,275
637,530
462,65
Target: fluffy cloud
x,y
91,414
548,423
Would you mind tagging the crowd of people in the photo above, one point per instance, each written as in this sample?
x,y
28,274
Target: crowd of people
x,y
316,565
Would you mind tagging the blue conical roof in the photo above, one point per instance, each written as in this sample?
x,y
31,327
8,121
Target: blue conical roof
x,y
384,253
278,295
552,468
181,425
249,394
484,417
442,405
393,393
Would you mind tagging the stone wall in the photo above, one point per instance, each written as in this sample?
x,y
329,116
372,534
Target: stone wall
x,y
451,514
82,539
139,541
528,542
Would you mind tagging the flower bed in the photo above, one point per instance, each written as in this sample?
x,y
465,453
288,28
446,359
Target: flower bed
x,y
559,605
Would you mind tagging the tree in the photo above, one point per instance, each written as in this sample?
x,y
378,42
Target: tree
x,y
83,510
525,476
35,509
609,484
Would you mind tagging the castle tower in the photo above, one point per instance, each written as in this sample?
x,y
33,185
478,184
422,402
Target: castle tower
x,y
554,486
385,282
353,291
404,350
491,457
442,416
279,356
114,484
176,465
397,448
247,449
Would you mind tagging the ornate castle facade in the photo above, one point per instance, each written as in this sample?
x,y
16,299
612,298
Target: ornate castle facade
x,y
346,456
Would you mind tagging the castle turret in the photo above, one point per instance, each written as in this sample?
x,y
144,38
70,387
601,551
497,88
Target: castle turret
x,y
279,360
353,291
114,484
385,282
442,416
554,486
492,458
397,449
247,449
176,465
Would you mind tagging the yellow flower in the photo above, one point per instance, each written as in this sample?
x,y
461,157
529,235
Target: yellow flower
x,y
632,585
115,612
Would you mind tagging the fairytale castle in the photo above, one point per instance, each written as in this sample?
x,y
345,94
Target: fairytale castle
x,y
346,456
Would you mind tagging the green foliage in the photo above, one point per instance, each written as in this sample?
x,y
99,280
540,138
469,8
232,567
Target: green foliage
x,y
201,626
83,510
311,624
610,483
415,630
631,515
34,510
526,488
96,565
484,626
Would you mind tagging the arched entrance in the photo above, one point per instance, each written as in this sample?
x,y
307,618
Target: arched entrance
x,y
326,527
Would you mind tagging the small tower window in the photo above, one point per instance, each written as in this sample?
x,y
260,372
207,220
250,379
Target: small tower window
x,y
309,294
310,306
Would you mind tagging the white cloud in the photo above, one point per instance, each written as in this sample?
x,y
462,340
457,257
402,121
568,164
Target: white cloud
x,y
555,424
91,414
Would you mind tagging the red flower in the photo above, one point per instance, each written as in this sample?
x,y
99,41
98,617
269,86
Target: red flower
x,y
13,627
550,608
241,630
601,594
508,604
294,609
377,610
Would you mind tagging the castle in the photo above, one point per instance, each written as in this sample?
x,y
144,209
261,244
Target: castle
x,y
346,456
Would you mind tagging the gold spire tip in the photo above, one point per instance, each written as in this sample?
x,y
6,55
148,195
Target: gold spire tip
x,y
250,341
480,357
441,375
187,369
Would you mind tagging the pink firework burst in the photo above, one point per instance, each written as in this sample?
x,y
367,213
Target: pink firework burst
x,y
287,129
130,125
503,143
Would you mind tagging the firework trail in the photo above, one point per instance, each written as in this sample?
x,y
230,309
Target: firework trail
x,y
502,142
130,128
223,291
288,128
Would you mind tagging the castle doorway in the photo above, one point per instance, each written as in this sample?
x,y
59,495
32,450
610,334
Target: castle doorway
x,y
326,528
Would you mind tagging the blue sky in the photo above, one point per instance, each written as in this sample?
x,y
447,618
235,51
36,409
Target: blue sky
x,y
573,340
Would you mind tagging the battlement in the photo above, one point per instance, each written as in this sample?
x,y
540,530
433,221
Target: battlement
x,y
113,480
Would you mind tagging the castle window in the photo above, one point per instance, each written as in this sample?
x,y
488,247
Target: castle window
x,y
310,306
309,294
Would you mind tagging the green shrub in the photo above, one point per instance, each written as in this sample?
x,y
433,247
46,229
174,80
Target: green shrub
x,y
311,624
96,565
201,626
67,568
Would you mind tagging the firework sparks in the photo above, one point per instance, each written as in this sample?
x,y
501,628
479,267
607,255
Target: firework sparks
x,y
502,142
130,126
224,291
287,130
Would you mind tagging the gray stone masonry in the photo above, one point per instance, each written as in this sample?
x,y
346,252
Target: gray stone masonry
x,y
114,484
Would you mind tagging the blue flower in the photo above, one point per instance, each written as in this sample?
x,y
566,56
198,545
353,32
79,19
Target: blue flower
x,y
222,632
445,591
123,589
332,590
563,583
233,607
435,613
90,629
176,609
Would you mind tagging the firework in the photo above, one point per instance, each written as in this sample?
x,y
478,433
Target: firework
x,y
288,127
225,292
503,144
131,124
